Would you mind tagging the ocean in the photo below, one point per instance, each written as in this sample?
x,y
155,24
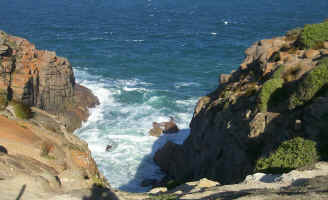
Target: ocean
x,y
147,60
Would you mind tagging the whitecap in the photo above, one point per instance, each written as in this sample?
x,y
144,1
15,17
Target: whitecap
x,y
127,126
185,84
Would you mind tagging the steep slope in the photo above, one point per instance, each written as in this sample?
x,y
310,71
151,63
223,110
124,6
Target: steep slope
x,y
40,106
277,99
42,79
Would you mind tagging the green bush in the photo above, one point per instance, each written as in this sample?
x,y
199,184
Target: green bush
x,y
313,35
308,87
268,88
278,73
291,154
21,111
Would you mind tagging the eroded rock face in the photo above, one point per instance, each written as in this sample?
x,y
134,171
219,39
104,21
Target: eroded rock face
x,y
228,130
42,79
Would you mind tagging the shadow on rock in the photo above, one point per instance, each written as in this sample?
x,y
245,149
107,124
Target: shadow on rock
x,y
148,173
100,193
21,192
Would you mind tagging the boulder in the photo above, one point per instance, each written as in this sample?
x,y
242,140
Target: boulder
x,y
224,78
164,127
3,49
311,53
156,130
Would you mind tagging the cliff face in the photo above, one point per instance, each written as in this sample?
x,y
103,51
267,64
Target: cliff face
x,y
41,79
40,106
278,93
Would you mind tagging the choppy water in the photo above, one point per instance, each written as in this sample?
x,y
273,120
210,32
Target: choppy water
x,y
147,60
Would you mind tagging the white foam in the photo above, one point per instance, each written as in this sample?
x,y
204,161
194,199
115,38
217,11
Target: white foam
x,y
125,127
185,84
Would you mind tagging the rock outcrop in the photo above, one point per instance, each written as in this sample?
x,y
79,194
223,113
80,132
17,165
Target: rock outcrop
x,y
40,107
300,185
278,93
42,79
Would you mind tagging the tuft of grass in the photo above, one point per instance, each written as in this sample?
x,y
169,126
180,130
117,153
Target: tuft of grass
x,y
291,154
279,71
313,35
309,86
98,181
268,88
21,111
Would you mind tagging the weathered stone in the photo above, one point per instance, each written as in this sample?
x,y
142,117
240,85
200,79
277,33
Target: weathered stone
x,y
311,53
224,78
158,190
42,79
205,183
325,44
298,125
3,49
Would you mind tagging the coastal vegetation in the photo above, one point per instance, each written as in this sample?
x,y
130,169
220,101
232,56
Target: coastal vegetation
x,y
313,35
291,154
269,87
21,111
310,85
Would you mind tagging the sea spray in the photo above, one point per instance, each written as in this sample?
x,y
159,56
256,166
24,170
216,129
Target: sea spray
x,y
124,124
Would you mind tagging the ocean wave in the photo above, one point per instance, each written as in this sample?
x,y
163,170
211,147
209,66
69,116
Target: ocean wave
x,y
185,84
125,125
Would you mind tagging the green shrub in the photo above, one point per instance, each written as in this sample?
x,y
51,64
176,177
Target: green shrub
x,y
21,111
291,154
268,88
323,61
99,181
313,35
278,73
308,87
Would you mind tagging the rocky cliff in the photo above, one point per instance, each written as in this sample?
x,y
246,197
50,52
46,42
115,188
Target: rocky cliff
x,y
40,106
268,114
42,79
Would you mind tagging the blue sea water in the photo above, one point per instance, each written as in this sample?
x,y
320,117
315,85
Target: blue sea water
x,y
147,60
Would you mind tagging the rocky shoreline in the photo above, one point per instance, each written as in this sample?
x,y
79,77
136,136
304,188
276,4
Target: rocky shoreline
x,y
268,117
41,106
